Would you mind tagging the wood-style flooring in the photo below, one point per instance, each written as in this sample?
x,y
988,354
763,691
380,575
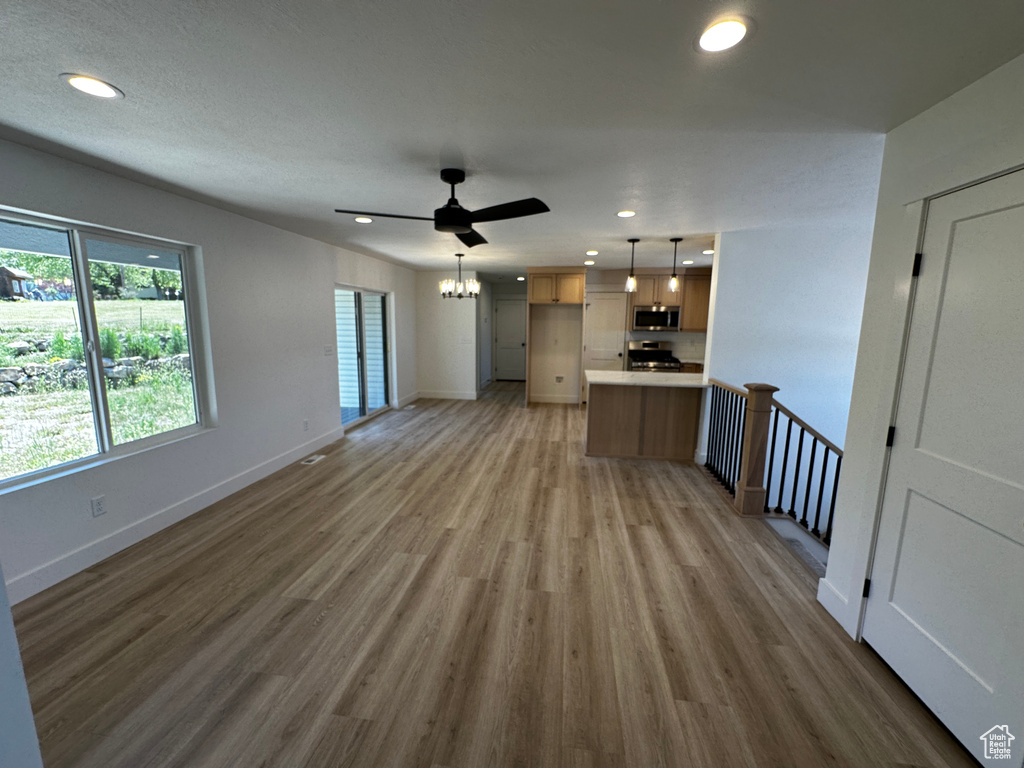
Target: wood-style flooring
x,y
457,586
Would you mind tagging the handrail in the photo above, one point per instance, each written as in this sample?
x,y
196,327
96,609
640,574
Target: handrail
x,y
729,387
810,430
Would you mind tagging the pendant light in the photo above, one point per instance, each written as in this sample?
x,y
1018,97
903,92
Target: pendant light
x,y
631,280
673,282
458,290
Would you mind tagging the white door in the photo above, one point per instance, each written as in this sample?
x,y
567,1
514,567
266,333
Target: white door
x,y
604,332
510,339
946,606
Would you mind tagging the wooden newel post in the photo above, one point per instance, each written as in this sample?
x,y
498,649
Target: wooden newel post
x,y
750,491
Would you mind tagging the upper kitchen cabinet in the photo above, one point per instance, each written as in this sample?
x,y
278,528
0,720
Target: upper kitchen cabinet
x,y
556,288
696,301
652,290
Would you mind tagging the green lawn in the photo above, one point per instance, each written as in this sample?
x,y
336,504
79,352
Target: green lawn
x,y
45,317
43,429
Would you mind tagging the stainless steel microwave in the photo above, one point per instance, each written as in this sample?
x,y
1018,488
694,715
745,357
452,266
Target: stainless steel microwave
x,y
655,318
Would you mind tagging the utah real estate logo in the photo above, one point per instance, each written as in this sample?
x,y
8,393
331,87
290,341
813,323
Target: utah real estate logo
x,y
997,742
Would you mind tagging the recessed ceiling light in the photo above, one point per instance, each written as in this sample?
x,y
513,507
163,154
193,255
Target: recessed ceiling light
x,y
709,252
364,220
626,214
688,261
520,279
722,35
588,263
591,253
92,86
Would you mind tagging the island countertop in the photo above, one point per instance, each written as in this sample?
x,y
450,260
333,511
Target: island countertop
x,y
646,379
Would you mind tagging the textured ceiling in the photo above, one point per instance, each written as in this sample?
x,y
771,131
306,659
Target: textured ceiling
x,y
284,111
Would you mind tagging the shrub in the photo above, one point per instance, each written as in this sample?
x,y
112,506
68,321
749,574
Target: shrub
x,y
177,343
110,344
144,345
63,348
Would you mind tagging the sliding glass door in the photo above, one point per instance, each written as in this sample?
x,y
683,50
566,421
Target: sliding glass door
x,y
361,319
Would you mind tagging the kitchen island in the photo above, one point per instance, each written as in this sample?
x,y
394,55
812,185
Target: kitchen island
x,y
643,415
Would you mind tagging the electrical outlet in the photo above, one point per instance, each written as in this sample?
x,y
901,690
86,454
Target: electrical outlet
x,y
99,506
327,351
305,425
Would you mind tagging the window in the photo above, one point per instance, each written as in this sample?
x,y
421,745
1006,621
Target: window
x,y
360,317
95,347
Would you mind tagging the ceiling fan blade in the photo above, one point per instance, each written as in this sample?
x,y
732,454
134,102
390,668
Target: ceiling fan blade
x,y
384,215
471,238
527,207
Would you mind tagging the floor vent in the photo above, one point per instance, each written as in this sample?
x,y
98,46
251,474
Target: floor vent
x,y
807,556
408,407
313,459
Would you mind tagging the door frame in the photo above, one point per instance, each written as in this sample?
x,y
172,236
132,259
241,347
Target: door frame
x,y
390,374
904,339
494,330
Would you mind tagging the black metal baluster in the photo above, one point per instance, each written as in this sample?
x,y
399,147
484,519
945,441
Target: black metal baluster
x,y
729,434
713,431
742,439
821,492
771,462
712,444
810,476
720,450
779,510
827,538
796,475
710,461
733,443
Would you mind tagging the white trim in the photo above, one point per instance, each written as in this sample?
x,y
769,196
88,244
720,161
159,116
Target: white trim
x,y
402,402
26,584
838,606
446,395
563,399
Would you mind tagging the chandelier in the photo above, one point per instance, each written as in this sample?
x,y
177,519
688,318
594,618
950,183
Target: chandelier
x,y
458,289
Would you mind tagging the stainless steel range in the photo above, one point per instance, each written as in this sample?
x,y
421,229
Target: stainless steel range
x,y
652,356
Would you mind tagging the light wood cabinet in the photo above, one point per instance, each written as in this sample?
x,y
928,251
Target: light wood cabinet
x,y
652,290
696,295
542,289
555,288
569,289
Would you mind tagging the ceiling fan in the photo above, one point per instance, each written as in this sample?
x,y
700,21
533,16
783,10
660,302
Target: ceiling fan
x,y
452,217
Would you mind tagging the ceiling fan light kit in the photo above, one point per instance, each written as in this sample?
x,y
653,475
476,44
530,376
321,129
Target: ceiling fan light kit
x,y
459,289
459,221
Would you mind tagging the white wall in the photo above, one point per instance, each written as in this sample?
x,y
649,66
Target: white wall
x,y
18,743
485,334
358,271
446,350
270,297
971,135
787,312
556,346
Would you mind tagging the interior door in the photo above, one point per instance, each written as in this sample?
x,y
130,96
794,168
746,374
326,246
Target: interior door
x,y
604,332
946,608
510,339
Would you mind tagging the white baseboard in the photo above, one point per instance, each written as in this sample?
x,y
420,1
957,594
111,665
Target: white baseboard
x,y
564,399
447,395
404,401
26,584
838,605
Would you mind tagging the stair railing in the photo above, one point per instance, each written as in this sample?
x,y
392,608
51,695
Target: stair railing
x,y
744,432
